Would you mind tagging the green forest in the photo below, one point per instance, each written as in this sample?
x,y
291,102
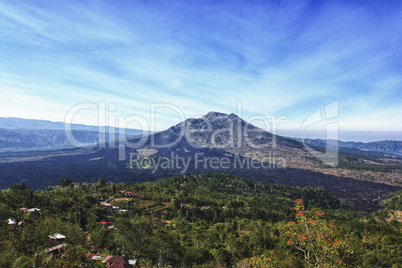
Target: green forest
x,y
194,220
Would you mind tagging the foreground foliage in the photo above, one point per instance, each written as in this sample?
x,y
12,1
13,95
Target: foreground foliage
x,y
205,220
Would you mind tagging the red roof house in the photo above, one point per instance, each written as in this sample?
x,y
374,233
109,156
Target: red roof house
x,y
89,255
116,262
105,222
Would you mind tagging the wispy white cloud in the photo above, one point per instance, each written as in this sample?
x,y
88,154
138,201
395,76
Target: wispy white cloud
x,y
285,58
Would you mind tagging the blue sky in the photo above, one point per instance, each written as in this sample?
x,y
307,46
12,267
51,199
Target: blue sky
x,y
278,58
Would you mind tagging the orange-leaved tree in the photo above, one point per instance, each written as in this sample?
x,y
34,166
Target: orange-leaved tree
x,y
320,242
266,260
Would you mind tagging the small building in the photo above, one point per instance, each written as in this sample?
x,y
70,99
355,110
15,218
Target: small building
x,y
97,258
55,248
106,223
89,255
132,262
11,221
116,262
57,236
105,204
117,265
33,210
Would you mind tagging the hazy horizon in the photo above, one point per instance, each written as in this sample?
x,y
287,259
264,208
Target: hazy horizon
x,y
356,136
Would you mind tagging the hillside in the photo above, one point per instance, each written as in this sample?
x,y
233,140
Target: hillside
x,y
233,135
17,134
387,146
16,123
214,143
205,220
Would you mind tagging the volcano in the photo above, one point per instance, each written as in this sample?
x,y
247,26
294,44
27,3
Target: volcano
x,y
216,142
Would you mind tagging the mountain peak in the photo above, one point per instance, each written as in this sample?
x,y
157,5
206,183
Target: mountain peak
x,y
217,115
213,114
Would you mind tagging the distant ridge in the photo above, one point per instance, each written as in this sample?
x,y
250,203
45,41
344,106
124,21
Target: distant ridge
x,y
29,124
18,134
387,146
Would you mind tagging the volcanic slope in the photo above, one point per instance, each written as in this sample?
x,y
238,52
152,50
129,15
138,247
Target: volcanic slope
x,y
216,142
